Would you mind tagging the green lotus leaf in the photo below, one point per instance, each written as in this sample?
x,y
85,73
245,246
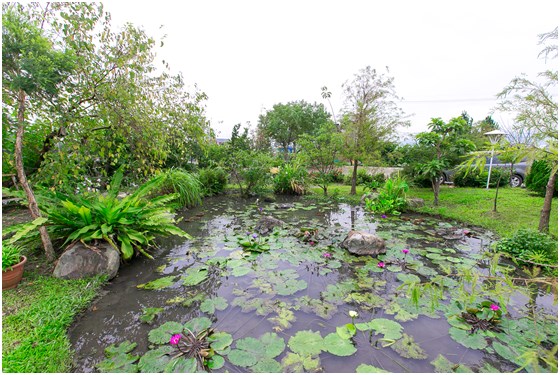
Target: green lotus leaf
x,y
346,331
336,345
240,271
389,329
194,276
219,341
181,365
284,319
363,368
155,360
402,315
149,314
407,348
408,278
249,351
197,298
198,324
306,343
442,364
267,365
457,322
157,284
293,362
119,358
211,305
163,333
469,340
323,309
215,362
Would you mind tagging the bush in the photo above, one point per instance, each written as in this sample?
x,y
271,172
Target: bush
x,y
11,255
336,176
538,177
290,179
213,180
179,181
362,177
392,197
530,245
478,179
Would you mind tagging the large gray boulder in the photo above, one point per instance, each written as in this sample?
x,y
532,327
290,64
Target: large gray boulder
x,y
80,261
363,243
266,224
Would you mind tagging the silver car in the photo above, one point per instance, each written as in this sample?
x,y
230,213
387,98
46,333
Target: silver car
x,y
517,177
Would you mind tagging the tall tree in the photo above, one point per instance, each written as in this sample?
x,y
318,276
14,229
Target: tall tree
x,y
536,110
31,67
285,123
370,115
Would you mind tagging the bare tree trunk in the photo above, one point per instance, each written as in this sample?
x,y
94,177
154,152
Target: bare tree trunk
x,y
545,212
354,178
435,188
18,155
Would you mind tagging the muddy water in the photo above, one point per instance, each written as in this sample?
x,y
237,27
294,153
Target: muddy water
x,y
115,316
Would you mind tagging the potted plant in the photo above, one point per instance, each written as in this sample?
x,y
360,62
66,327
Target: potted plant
x,y
12,265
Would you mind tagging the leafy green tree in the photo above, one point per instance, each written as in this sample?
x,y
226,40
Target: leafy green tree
x,y
285,123
370,115
31,67
536,109
444,140
240,140
320,151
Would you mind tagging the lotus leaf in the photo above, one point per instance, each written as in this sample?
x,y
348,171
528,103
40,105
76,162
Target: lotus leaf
x,y
443,365
402,315
201,296
306,343
155,360
250,351
283,320
336,345
293,362
346,331
198,324
320,308
215,362
219,341
119,358
195,275
363,368
149,314
408,278
157,284
389,329
211,305
163,333
470,340
408,348
182,365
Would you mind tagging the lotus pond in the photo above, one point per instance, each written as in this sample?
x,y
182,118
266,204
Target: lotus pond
x,y
230,300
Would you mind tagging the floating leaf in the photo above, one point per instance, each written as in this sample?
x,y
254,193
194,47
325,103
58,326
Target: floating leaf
x,y
408,278
163,333
389,329
306,343
470,340
215,362
249,351
323,309
182,365
197,298
336,345
155,360
219,341
442,364
119,358
149,314
346,331
284,319
293,362
194,276
211,305
363,368
267,365
199,324
407,348
157,284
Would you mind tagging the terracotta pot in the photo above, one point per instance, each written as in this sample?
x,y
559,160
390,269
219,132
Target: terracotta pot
x,y
12,276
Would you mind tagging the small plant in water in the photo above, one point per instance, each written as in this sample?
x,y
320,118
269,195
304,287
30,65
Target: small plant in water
x,y
253,242
192,346
485,316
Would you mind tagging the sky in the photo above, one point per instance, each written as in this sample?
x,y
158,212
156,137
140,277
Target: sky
x,y
446,56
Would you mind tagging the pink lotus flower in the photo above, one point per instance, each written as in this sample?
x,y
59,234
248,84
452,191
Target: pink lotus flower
x,y
327,255
381,265
175,339
311,243
494,307
406,251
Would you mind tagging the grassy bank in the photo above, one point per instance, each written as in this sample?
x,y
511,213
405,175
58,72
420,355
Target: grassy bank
x,y
35,319
517,208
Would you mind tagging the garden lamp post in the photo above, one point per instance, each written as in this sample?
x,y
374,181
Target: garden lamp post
x,y
494,136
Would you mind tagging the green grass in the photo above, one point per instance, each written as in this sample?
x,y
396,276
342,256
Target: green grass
x,y
517,208
35,319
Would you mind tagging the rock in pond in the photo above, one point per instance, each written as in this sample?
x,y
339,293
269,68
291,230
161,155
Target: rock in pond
x,y
80,261
363,243
266,224
415,202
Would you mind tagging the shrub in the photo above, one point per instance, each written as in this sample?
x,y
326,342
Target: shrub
x,y
213,180
290,179
179,181
530,245
362,177
336,176
478,179
538,177
392,197
11,255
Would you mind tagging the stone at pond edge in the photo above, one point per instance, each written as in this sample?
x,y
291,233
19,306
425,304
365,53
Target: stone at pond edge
x,y
363,243
371,196
80,261
415,202
266,224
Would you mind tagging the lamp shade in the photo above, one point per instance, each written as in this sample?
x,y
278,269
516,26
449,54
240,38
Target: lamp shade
x,y
494,136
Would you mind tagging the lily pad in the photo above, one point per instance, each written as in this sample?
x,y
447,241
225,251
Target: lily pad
x,y
155,360
293,362
407,348
182,365
119,358
149,314
158,284
249,351
389,329
346,331
283,320
336,345
219,341
195,275
363,368
215,362
267,365
469,340
163,333
199,324
211,305
306,343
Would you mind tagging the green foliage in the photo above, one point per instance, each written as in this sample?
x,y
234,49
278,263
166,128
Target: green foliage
x,y
476,178
119,358
530,245
129,224
538,176
11,255
181,182
213,180
392,197
251,352
250,171
158,284
291,179
149,314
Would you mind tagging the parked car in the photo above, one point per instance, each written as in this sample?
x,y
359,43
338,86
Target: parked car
x,y
517,178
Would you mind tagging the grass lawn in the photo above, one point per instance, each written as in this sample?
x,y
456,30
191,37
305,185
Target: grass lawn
x,y
35,318
517,208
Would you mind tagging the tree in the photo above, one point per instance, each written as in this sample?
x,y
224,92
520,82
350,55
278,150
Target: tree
x,y
445,140
370,115
285,123
536,111
31,67
320,151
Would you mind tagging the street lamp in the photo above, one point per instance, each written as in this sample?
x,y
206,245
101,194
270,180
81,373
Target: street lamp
x,y
494,136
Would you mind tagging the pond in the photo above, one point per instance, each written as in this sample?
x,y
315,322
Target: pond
x,y
283,302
